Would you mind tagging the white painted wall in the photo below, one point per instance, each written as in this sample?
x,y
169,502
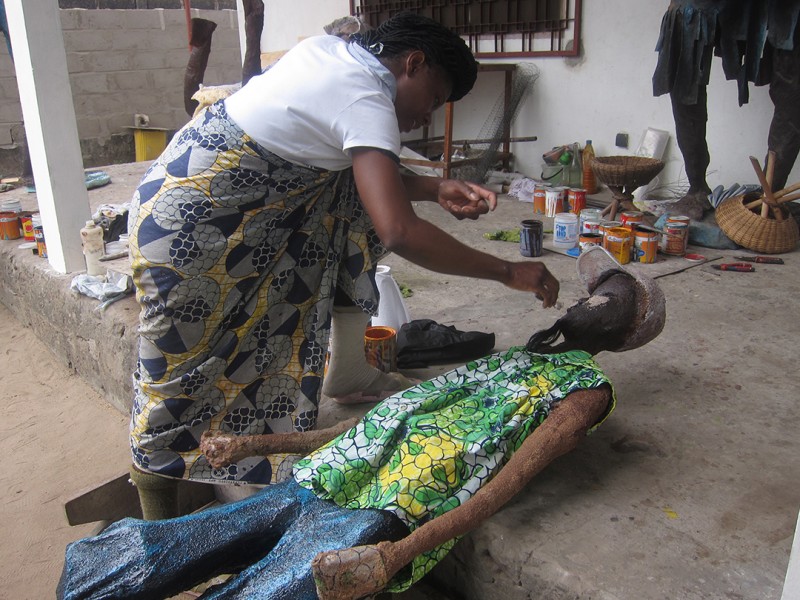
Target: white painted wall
x,y
606,90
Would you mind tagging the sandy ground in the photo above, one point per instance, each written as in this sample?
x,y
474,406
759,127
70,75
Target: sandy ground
x,y
53,425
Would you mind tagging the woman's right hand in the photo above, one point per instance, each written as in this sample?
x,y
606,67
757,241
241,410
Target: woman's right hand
x,y
534,277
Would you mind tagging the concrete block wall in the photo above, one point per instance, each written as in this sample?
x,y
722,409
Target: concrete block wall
x,y
122,62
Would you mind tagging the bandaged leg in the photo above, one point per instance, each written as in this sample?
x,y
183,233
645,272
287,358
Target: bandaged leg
x,y
350,378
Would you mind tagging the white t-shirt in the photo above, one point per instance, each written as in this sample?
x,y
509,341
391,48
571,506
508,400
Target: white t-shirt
x,y
318,101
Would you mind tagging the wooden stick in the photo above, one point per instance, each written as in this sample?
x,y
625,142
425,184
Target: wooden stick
x,y
782,200
769,199
792,188
776,211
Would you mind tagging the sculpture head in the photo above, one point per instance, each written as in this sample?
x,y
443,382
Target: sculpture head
x,y
625,310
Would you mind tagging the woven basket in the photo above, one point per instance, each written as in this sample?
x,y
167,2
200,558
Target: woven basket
x,y
748,229
626,171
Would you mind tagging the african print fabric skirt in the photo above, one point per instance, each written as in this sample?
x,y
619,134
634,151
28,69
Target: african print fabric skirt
x,y
428,449
237,255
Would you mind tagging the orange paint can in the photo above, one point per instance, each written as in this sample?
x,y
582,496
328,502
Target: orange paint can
x,y
9,226
645,246
540,198
618,242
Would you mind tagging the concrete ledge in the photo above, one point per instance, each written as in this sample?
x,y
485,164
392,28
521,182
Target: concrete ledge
x,y
99,346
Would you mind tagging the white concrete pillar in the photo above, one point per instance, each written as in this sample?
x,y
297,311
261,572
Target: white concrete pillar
x,y
51,129
242,34
791,585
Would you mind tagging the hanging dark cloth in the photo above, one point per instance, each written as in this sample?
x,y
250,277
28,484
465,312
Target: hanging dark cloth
x,y
743,33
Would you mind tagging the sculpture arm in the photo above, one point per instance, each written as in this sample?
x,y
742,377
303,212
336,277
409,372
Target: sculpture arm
x,y
222,449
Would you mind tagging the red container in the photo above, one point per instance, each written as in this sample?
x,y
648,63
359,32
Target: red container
x,y
577,200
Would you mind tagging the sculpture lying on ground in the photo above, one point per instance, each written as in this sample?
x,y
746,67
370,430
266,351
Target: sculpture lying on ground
x,y
377,506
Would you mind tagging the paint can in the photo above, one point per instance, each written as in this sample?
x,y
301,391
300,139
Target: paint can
x,y
631,218
587,240
553,202
539,198
530,237
617,240
645,246
38,234
675,238
605,226
577,200
380,348
590,214
26,222
565,230
9,226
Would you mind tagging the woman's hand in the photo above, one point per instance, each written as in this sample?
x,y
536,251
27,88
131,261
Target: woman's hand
x,y
534,277
465,200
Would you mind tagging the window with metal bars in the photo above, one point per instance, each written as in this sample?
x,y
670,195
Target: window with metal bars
x,y
493,28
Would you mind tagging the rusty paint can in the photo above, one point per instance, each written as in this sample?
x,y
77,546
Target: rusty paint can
x,y
645,246
618,242
675,238
577,200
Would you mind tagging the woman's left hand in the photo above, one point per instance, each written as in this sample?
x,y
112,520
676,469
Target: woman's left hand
x,y
465,200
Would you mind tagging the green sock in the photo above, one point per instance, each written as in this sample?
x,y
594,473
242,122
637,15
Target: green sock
x,y
158,495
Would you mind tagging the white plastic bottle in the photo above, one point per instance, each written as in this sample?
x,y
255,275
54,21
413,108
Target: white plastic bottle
x,y
392,311
93,248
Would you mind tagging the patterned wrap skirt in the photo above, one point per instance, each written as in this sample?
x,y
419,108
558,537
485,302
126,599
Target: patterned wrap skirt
x,y
237,255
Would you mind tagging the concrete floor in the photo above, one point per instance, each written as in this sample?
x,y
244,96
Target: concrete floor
x,y
690,490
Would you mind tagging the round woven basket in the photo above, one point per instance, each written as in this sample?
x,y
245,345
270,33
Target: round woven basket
x,y
748,229
626,171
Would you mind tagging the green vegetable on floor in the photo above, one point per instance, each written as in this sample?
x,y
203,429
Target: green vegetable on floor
x,y
503,235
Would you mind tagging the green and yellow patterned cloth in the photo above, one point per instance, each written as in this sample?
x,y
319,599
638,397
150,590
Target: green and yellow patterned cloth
x,y
425,451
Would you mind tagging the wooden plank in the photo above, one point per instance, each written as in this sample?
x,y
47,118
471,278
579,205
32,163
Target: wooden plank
x,y
112,500
117,498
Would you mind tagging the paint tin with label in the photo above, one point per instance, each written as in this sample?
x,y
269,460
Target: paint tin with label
x,y
380,348
553,202
631,218
645,246
38,234
577,200
539,198
565,230
675,238
590,214
587,240
9,226
26,221
617,240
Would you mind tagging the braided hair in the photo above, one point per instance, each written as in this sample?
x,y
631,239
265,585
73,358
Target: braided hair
x,y
442,47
